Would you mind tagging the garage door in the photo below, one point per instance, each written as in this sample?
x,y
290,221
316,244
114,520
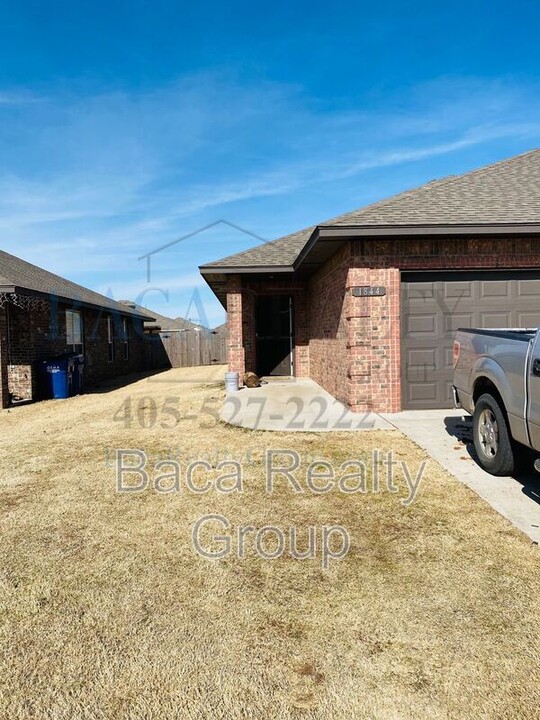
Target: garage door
x,y
435,305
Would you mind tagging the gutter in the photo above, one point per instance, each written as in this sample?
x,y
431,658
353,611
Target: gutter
x,y
345,231
244,269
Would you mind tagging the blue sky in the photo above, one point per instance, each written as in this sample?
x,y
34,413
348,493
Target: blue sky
x,y
126,125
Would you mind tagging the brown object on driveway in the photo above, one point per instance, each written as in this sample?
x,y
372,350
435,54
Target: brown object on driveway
x,y
251,380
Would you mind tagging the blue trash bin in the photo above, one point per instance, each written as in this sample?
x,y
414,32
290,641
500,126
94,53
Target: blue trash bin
x,y
57,376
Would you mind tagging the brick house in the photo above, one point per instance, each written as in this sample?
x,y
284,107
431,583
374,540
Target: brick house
x,y
367,304
43,315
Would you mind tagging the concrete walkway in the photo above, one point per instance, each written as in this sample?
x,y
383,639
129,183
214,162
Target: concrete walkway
x,y
447,437
294,405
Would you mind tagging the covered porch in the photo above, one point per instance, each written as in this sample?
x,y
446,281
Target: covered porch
x,y
295,405
268,327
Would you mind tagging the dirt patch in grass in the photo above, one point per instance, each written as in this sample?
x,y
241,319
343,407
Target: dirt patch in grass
x,y
106,611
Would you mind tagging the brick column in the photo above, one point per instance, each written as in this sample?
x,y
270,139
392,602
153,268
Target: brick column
x,y
374,374
4,389
235,346
301,335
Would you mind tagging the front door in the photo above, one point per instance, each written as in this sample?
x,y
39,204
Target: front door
x,y
274,333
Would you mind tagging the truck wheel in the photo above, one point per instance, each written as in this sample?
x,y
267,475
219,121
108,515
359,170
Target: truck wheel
x,y
491,437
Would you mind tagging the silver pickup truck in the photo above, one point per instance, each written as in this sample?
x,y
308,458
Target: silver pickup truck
x,y
497,380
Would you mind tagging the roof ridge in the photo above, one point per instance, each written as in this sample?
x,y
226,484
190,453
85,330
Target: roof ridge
x,y
477,171
154,314
447,179
49,272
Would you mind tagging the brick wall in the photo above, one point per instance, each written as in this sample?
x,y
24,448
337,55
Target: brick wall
x,y
4,388
488,253
328,326
354,342
96,352
34,334
351,345
30,335
374,380
235,325
301,332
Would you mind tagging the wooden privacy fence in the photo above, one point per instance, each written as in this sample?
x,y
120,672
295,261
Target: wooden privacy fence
x,y
188,348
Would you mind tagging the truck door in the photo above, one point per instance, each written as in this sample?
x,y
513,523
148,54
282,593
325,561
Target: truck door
x,y
532,372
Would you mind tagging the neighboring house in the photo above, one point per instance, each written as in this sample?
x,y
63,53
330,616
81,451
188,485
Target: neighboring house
x,y
177,342
43,315
461,251
159,322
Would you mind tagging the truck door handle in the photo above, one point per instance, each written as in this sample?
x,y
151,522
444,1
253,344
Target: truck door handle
x,y
536,366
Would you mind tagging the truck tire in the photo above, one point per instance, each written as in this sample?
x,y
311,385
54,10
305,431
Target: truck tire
x,y
492,440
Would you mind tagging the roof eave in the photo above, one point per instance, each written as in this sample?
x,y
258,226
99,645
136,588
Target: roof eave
x,y
335,234
20,290
243,269
346,231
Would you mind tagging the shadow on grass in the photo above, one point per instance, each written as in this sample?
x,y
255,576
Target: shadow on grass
x,y
121,381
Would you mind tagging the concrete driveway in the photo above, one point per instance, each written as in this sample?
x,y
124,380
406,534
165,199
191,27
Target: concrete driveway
x,y
300,405
447,437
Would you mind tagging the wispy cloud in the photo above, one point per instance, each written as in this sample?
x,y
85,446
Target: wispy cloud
x,y
89,183
148,158
136,289
19,97
300,175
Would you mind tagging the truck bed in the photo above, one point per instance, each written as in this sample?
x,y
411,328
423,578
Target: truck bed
x,y
507,333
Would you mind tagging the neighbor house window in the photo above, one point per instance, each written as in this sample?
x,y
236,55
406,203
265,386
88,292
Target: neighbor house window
x,y
110,337
125,337
74,331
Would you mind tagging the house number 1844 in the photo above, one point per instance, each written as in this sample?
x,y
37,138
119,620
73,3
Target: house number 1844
x,y
369,291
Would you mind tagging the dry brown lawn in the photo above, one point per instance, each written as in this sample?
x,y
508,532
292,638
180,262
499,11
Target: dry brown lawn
x,y
106,611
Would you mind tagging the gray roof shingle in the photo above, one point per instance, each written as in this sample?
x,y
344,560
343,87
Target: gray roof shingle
x,y
164,322
282,251
31,279
507,192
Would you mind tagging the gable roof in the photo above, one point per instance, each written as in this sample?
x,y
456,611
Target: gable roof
x,y
160,321
178,323
282,251
19,276
497,196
